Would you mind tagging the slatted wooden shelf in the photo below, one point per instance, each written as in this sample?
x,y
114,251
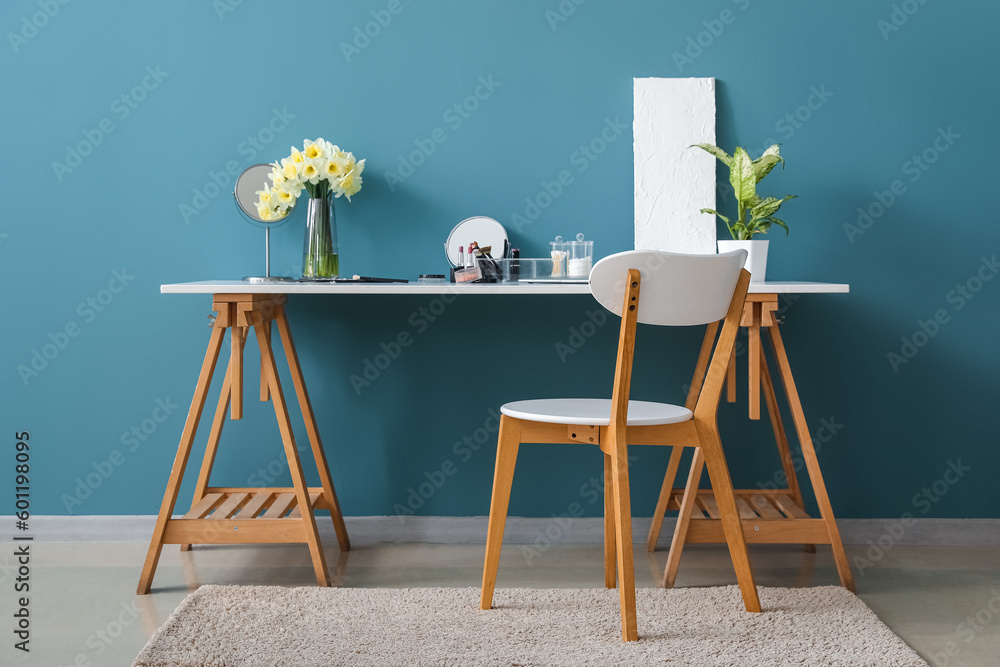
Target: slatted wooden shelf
x,y
769,515
229,515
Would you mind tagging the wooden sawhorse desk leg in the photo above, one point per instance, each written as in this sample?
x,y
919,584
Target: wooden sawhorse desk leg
x,y
769,516
226,515
812,462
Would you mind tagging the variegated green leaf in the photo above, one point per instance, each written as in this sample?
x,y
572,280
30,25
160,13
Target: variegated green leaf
x,y
763,166
775,149
768,207
741,176
717,152
713,212
765,163
780,223
763,224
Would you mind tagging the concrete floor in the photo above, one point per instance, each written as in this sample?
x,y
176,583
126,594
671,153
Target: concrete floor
x,y
84,610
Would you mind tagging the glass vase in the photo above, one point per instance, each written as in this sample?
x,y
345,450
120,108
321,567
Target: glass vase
x,y
320,258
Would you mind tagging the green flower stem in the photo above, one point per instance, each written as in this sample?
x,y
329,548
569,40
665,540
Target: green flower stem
x,y
321,259
323,266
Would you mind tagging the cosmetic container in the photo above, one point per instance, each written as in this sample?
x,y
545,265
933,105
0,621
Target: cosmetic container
x,y
531,269
579,258
468,274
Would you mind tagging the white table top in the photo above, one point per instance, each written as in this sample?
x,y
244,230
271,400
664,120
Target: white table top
x,y
240,287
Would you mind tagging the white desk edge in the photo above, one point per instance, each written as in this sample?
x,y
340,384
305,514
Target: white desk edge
x,y
240,287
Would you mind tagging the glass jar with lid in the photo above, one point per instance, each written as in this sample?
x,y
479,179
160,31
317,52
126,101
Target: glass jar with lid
x,y
579,258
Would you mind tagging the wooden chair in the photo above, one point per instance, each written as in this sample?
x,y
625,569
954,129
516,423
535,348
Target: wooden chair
x,y
677,290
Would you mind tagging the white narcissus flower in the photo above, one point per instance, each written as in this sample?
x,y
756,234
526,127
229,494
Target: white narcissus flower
x,y
314,149
296,156
321,163
336,167
310,171
265,213
289,168
354,166
264,196
350,184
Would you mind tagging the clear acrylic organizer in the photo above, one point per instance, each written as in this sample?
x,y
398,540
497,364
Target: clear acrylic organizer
x,y
533,269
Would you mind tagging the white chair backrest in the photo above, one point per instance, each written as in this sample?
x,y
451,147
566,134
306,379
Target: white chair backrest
x,y
675,289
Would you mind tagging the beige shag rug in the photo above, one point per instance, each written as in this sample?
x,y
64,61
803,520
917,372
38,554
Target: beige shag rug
x,y
243,626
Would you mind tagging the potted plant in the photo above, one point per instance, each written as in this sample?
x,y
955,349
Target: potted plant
x,y
754,215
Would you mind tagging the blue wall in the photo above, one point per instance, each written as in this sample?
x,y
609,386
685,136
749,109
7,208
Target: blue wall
x,y
209,81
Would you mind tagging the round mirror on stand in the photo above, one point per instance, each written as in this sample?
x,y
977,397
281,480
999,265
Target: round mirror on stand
x,y
249,183
487,232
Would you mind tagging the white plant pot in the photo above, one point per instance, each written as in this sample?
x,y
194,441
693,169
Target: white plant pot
x,y
756,256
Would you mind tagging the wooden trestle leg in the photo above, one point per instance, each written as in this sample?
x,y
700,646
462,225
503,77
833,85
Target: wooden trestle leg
x,y
229,515
768,516
812,463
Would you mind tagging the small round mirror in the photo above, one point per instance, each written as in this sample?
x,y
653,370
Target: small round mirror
x,y
249,183
487,232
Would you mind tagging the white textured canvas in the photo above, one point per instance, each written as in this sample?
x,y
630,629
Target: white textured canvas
x,y
672,181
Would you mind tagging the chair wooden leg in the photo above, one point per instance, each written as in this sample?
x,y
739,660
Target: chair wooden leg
x,y
718,471
787,465
213,436
683,520
812,463
508,442
181,459
610,534
294,464
666,489
623,533
312,430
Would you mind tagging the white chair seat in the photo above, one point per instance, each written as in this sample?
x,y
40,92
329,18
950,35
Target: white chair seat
x,y
593,411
